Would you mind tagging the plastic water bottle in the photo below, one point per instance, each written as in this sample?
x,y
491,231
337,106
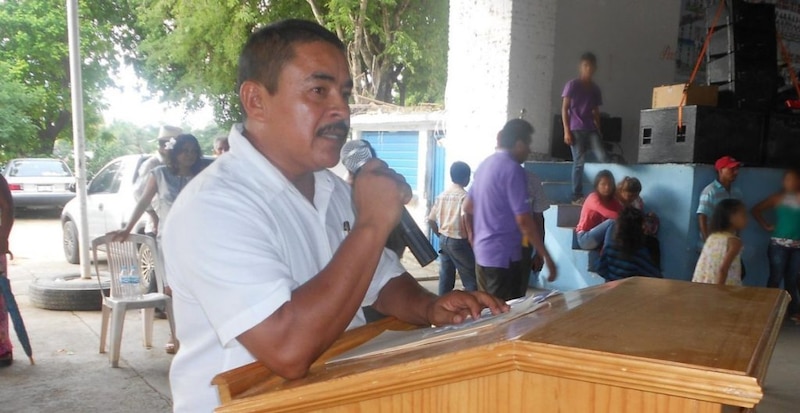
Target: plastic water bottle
x,y
135,282
122,288
130,284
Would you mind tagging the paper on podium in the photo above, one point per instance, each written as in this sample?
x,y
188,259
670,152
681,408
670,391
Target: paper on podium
x,y
393,341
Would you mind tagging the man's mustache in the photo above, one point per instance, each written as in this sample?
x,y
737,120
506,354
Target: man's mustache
x,y
340,127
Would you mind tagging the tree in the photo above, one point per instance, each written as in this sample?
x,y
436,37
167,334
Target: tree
x,y
17,131
384,40
397,49
33,35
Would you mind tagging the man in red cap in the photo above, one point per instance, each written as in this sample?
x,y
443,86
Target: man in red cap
x,y
722,188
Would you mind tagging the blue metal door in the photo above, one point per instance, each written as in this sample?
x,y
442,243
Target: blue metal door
x,y
400,150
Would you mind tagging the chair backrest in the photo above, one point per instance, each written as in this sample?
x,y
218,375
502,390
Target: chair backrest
x,y
127,255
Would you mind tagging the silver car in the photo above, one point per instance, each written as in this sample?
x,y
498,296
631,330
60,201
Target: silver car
x,y
110,202
39,182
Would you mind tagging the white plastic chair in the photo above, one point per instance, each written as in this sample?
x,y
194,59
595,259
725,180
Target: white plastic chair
x,y
125,255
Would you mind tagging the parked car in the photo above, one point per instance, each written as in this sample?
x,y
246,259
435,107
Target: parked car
x,y
39,182
110,203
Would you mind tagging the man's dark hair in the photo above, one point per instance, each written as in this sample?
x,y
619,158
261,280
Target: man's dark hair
x,y
460,173
515,130
721,218
590,58
269,49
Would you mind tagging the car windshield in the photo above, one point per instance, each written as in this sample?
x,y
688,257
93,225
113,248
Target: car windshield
x,y
41,168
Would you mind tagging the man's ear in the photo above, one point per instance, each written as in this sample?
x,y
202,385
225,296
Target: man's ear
x,y
252,95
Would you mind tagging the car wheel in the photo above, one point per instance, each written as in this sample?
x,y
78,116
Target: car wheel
x,y
71,249
147,262
68,293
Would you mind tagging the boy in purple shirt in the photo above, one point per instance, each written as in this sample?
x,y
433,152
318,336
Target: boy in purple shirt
x,y
499,215
580,114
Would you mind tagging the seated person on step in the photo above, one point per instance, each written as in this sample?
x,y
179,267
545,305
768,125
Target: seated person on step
x,y
599,211
629,195
626,253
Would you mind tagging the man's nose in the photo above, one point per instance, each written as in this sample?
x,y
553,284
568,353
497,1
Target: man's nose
x,y
340,107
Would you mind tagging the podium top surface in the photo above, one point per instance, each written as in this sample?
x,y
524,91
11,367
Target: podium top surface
x,y
701,341
701,325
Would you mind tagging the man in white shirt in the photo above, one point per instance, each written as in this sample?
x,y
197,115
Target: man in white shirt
x,y
257,247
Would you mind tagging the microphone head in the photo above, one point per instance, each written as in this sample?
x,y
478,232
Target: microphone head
x,y
355,154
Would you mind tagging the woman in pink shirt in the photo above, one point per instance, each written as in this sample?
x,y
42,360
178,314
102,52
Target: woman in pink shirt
x,y
599,212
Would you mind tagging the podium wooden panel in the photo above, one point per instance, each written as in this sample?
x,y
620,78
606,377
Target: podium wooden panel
x,y
637,345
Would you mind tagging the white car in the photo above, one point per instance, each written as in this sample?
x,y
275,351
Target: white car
x,y
39,182
110,203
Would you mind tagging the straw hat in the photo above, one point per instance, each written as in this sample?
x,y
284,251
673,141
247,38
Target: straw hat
x,y
167,132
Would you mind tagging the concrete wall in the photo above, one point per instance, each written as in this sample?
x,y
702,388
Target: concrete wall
x,y
756,184
533,35
667,192
506,55
672,191
629,38
476,97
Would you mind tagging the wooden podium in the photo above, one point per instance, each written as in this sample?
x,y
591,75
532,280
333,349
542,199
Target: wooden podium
x,y
637,345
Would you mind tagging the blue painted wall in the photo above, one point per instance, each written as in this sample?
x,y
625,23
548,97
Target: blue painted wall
x,y
672,191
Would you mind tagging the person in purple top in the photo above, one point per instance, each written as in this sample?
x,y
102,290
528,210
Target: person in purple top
x,y
580,114
498,214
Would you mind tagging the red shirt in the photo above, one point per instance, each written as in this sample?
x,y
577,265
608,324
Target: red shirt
x,y
595,211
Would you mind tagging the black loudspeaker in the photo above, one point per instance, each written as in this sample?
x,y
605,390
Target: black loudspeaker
x,y
782,147
755,16
742,54
610,126
708,133
748,44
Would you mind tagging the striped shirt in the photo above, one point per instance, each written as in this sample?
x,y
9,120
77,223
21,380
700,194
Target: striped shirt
x,y
615,264
447,212
713,194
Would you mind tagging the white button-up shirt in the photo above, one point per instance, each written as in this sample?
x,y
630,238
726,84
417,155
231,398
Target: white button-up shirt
x,y
238,240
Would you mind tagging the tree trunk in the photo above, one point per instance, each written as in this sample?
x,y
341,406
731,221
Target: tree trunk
x,y
47,135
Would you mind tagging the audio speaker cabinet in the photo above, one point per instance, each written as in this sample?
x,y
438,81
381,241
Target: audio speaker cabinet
x,y
707,134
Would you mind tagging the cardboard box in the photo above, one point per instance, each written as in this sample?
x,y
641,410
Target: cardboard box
x,y
670,96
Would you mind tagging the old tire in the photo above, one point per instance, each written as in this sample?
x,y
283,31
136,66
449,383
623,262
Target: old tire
x,y
67,293
70,242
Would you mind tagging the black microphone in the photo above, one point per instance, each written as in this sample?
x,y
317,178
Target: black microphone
x,y
355,154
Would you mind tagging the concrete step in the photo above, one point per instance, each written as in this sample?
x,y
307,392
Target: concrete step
x,y
573,264
558,192
568,215
551,171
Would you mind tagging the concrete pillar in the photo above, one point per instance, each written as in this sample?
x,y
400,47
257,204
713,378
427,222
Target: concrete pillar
x,y
500,61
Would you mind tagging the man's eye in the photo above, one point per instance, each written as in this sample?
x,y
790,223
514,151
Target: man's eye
x,y
318,90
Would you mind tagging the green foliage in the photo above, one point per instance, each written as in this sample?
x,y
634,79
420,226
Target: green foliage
x,y
35,55
189,50
17,131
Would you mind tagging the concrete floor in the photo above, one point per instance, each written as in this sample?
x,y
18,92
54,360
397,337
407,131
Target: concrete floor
x,y
71,376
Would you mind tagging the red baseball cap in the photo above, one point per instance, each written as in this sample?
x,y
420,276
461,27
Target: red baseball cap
x,y
726,162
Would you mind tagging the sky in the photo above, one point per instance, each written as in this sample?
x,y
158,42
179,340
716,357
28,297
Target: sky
x,y
131,102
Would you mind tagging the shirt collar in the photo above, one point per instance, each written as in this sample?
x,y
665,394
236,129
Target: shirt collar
x,y
718,185
266,172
